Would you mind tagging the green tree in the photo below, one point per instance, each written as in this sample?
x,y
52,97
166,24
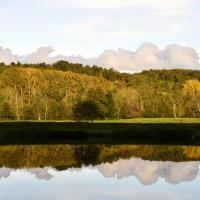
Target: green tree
x,y
87,110
29,113
6,112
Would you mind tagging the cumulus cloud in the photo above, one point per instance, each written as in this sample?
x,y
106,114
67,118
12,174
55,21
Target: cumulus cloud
x,y
147,56
41,55
6,56
177,56
148,172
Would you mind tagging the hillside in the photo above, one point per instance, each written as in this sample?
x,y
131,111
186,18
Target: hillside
x,y
65,91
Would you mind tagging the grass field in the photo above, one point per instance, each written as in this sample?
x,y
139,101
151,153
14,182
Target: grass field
x,y
152,120
135,120
134,131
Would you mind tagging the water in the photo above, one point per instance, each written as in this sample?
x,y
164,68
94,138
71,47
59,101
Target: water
x,y
60,172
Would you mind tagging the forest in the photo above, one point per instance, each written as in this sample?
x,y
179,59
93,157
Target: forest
x,y
66,91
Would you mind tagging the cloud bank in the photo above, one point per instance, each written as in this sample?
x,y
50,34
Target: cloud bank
x,y
147,56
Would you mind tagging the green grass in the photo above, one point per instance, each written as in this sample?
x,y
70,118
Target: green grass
x,y
135,120
152,120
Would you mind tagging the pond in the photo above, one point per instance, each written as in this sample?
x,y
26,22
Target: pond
x,y
60,172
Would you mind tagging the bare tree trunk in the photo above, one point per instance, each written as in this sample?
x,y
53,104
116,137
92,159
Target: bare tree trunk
x,y
174,110
17,105
21,94
198,105
39,115
45,114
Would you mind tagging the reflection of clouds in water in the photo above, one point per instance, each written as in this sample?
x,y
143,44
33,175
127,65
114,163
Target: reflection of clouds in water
x,y
40,173
5,172
148,172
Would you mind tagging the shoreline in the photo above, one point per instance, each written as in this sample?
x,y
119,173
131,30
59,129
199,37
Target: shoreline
x,y
99,132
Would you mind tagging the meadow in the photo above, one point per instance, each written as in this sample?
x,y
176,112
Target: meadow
x,y
152,120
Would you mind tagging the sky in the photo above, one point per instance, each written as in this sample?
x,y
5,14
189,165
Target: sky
x,y
128,35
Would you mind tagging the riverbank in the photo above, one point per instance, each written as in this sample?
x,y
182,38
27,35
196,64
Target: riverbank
x,y
185,133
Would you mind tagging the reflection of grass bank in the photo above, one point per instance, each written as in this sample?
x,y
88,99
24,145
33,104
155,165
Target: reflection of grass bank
x,y
135,120
84,132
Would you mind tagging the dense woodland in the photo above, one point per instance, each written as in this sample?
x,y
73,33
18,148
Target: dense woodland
x,y
65,91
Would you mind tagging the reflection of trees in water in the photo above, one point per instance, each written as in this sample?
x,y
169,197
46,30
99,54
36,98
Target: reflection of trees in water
x,y
66,156
110,160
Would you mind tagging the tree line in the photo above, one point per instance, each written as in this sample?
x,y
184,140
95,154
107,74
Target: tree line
x,y
63,91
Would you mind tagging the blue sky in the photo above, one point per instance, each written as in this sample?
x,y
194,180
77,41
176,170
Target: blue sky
x,y
88,27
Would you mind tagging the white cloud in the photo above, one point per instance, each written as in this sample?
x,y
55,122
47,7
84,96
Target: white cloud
x,y
178,56
147,56
41,55
6,56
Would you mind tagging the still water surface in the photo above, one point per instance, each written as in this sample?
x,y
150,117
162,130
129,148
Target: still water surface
x,y
60,172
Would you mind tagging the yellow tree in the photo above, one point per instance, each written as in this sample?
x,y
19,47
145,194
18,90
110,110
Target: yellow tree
x,y
191,90
127,103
